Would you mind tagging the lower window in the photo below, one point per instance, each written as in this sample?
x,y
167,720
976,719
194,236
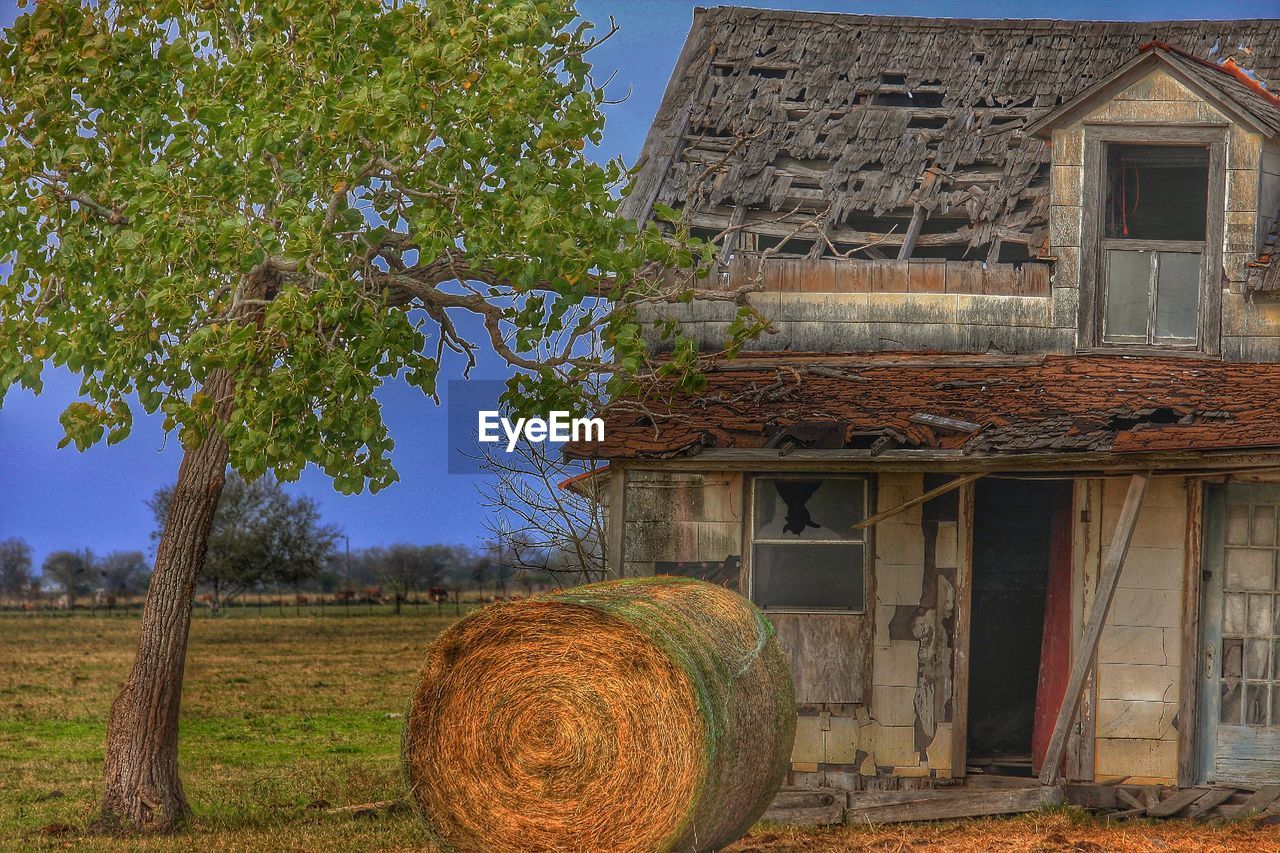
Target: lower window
x,y
805,554
1153,297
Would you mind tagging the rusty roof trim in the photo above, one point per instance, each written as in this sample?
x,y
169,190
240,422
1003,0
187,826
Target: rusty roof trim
x,y
1055,404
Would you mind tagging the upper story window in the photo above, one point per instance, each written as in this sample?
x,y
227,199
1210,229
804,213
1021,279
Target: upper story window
x,y
1155,215
1153,201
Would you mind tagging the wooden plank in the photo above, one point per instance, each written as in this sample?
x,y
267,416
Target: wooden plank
x,y
1189,676
1176,802
1001,280
913,233
964,277
1087,795
1248,754
927,275
1261,798
816,276
960,652
826,653
986,781
730,244
1107,580
1086,557
616,519
1211,799
1129,799
949,486
807,807
954,805
852,277
890,276
944,423
1035,279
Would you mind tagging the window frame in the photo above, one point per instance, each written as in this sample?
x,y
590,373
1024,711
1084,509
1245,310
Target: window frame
x,y
1093,284
867,542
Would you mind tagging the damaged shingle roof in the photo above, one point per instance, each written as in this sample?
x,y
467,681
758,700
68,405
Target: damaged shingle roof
x,y
791,114
1019,404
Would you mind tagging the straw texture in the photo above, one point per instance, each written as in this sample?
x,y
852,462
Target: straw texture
x,y
638,715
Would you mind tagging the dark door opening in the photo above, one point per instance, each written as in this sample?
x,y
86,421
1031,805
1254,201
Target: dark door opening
x,y
1019,622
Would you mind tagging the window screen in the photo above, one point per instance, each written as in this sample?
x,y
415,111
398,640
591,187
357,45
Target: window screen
x,y
805,556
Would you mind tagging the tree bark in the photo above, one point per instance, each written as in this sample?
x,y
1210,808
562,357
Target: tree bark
x,y
142,790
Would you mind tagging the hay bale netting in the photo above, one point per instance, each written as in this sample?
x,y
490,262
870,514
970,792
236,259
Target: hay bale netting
x,y
646,715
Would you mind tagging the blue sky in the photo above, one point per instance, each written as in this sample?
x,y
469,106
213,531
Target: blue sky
x,y
67,499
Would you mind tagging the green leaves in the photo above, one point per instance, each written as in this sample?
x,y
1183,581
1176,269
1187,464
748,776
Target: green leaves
x,y
187,186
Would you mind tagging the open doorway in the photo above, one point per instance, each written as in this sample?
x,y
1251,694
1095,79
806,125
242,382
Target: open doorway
x,y
1019,630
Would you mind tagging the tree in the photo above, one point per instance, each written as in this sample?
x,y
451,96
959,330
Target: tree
x,y
226,213
71,572
260,536
15,568
548,512
403,569
123,573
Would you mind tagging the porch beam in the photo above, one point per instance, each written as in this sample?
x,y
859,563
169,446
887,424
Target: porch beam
x,y
1083,661
949,486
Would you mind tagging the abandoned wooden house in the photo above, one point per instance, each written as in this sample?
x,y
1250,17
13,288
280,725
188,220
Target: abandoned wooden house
x,y
1004,471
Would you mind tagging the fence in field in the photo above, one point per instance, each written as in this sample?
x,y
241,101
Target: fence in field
x,y
367,602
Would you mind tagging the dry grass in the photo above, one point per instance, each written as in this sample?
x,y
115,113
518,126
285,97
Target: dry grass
x,y
282,712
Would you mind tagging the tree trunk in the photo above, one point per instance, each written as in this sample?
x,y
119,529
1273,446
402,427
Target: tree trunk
x,y
142,790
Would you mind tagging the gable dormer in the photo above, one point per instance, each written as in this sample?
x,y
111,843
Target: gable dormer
x,y
1165,185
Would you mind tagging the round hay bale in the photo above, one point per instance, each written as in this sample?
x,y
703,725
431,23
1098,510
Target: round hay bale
x,y
650,715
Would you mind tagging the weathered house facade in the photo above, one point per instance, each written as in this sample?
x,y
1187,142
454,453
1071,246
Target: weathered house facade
x,y
1005,471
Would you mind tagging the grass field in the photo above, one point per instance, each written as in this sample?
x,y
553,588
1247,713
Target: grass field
x,y
283,717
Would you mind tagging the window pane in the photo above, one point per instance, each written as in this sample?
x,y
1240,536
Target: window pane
x,y
808,576
809,509
1156,192
1128,296
1177,297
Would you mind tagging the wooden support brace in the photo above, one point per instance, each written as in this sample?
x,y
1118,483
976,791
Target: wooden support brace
x,y
1080,667
730,244
913,231
949,486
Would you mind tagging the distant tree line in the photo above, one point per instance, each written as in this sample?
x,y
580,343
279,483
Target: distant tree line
x,y
72,574
265,540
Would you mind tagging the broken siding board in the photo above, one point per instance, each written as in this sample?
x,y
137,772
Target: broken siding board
x,y
1254,754
827,653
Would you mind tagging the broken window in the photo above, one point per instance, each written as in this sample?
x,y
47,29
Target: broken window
x,y
1155,207
805,554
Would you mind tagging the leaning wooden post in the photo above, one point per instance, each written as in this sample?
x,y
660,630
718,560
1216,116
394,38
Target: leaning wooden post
x,y
1110,574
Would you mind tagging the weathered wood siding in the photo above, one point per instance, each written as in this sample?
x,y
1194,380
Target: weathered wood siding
x,y
1139,662
683,523
875,690
1250,328
900,733
870,306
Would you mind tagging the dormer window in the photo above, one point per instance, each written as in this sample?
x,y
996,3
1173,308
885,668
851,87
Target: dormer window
x,y
1151,250
1155,206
